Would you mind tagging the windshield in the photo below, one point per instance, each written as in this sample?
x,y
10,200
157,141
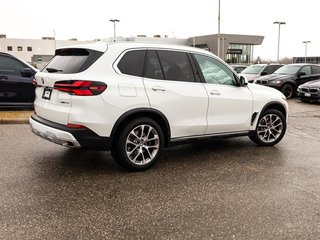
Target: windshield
x,y
253,69
288,70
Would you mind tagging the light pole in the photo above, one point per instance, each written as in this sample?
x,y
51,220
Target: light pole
x,y
306,49
279,23
219,29
222,48
114,27
54,39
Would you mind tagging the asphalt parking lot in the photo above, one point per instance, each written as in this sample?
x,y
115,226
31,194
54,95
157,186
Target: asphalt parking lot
x,y
226,189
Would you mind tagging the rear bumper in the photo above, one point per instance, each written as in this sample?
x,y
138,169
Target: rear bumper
x,y
68,137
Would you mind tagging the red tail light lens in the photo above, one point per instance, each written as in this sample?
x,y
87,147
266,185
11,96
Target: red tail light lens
x,y
81,88
34,82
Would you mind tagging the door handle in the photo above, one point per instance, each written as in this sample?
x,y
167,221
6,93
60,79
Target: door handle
x,y
214,92
158,88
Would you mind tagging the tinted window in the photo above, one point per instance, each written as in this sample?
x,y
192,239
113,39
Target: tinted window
x,y
267,70
176,66
315,69
10,66
271,69
71,60
214,71
276,67
153,67
132,63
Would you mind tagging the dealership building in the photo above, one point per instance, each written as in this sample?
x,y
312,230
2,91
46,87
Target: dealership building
x,y
232,48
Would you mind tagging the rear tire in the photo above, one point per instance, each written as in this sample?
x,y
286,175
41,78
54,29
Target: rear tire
x,y
270,129
139,144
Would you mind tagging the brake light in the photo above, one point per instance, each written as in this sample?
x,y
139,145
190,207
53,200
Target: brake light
x,y
80,88
34,82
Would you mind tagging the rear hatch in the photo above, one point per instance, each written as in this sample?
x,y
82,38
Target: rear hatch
x,y
56,83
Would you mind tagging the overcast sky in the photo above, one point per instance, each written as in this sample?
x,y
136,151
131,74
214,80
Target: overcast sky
x,y
88,20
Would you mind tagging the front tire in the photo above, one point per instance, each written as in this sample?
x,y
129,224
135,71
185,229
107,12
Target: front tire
x,y
139,144
287,91
270,129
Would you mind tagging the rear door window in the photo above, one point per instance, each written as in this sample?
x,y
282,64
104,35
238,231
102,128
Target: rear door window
x,y
268,69
153,67
315,69
176,66
72,60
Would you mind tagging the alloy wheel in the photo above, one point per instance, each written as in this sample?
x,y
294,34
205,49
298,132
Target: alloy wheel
x,y
142,144
270,128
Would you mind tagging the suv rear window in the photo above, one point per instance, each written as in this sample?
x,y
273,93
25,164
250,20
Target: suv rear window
x,y
72,60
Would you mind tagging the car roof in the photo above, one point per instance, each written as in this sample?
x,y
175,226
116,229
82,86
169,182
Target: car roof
x,y
103,46
238,65
302,64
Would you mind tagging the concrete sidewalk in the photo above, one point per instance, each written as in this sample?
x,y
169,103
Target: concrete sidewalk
x,y
15,117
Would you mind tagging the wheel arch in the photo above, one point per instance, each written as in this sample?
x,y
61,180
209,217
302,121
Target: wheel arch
x,y
275,105
271,105
153,114
278,106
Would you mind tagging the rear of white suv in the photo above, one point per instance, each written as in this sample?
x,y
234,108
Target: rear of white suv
x,y
134,99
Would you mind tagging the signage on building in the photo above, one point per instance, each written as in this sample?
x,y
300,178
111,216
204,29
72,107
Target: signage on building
x,y
234,51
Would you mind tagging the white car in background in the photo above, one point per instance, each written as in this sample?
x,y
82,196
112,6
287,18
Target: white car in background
x,y
252,72
136,98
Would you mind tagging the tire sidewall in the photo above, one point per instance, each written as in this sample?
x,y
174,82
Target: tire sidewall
x,y
120,148
255,138
284,87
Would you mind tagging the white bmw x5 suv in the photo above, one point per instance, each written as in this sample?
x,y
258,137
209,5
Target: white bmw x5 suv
x,y
136,98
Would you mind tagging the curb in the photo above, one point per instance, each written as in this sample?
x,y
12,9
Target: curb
x,y
14,121
15,117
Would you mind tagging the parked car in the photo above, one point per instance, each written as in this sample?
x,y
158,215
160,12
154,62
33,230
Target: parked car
x,y
16,89
238,68
289,77
257,70
136,98
309,92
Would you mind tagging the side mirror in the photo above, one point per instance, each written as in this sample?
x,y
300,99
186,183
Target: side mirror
x,y
243,81
26,72
264,73
302,74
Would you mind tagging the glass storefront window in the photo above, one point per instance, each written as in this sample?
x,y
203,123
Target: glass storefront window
x,y
239,53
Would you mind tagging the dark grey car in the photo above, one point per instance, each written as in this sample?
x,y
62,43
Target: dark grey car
x,y
287,78
309,92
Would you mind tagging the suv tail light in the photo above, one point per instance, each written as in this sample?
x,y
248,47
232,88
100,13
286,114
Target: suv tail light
x,y
34,82
80,88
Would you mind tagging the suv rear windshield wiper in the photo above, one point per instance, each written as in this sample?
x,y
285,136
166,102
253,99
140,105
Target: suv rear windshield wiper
x,y
52,70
